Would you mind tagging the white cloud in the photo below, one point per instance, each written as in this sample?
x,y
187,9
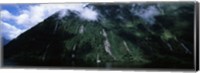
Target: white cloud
x,y
37,13
62,13
21,19
9,31
6,14
88,14
147,14
73,7
34,14
84,13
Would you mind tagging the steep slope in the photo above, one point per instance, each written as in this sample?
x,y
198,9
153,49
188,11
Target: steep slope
x,y
119,38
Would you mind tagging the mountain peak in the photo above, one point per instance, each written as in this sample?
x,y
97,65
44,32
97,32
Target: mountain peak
x,y
106,35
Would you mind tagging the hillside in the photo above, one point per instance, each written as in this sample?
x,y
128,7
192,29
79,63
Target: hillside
x,y
121,37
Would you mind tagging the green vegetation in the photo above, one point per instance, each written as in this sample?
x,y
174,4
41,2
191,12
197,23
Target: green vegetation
x,y
124,42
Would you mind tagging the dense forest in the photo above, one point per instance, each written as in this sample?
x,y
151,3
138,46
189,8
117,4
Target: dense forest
x,y
125,35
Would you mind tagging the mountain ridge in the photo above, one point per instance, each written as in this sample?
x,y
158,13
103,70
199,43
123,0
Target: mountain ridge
x,y
108,41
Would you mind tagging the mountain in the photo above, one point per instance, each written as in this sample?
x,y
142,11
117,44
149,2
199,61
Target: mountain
x,y
123,36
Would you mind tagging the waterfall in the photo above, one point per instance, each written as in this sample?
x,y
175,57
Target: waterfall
x,y
126,46
44,56
170,47
98,60
187,50
81,29
56,27
107,45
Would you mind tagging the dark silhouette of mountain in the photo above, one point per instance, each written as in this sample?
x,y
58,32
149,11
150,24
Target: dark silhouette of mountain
x,y
119,38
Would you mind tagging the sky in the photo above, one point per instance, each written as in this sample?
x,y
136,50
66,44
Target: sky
x,y
18,18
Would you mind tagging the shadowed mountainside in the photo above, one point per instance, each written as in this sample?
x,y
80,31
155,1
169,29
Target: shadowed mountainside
x,y
120,37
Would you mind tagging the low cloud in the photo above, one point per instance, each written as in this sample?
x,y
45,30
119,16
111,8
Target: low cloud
x,y
88,14
147,14
83,12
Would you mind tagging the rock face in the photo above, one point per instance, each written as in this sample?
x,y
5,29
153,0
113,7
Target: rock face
x,y
120,37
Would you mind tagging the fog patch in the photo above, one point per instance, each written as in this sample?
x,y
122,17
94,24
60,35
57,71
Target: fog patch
x,y
63,13
147,14
86,13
